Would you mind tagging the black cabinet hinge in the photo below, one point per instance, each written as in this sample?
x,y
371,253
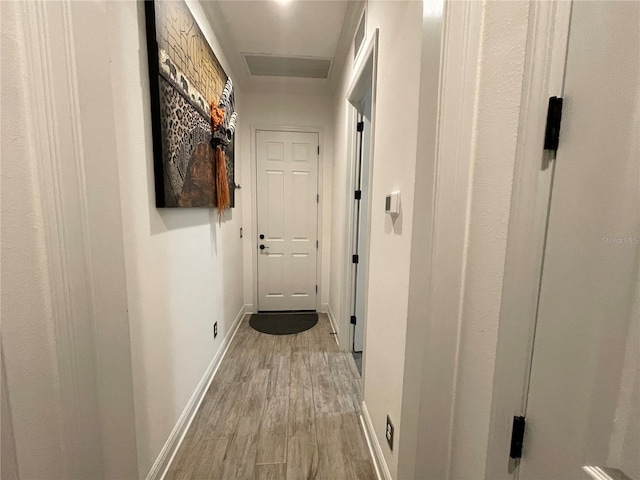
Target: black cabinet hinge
x,y
517,437
355,259
358,194
353,319
554,117
360,127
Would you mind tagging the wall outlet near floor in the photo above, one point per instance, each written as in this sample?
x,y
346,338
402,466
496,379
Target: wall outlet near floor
x,y
215,330
389,433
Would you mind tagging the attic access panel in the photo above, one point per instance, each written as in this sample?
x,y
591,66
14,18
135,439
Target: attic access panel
x,y
283,66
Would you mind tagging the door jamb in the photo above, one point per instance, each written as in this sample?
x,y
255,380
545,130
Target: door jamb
x,y
364,78
254,204
543,77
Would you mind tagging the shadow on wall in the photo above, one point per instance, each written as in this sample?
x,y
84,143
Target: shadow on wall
x,y
393,223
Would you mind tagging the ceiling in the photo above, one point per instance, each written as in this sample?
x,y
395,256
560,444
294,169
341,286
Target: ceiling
x,y
286,42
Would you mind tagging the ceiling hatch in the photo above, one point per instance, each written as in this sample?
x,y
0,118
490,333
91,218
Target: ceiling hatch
x,y
286,66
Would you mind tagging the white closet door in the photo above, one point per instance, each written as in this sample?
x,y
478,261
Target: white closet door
x,y
584,397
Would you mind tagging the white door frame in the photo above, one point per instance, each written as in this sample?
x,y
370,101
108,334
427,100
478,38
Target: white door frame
x,y
364,80
447,251
544,77
254,204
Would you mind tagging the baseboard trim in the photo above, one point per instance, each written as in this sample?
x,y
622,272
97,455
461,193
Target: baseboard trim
x,y
332,321
380,464
168,452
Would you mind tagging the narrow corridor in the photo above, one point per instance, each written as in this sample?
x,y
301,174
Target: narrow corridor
x,y
279,407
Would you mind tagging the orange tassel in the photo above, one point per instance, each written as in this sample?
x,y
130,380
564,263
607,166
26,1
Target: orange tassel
x,y
223,198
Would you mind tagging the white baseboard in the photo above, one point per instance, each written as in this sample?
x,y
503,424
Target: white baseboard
x,y
380,464
332,320
168,452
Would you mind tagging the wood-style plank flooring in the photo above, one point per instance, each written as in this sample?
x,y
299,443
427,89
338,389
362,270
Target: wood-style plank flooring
x,y
279,407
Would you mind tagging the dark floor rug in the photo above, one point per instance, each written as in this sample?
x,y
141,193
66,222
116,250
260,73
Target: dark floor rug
x,y
286,323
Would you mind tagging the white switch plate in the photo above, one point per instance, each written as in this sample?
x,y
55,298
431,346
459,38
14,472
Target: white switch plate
x,y
392,203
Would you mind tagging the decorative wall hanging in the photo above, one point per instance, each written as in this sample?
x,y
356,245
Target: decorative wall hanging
x,y
192,112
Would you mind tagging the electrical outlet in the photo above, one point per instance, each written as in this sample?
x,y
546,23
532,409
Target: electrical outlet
x,y
215,330
389,433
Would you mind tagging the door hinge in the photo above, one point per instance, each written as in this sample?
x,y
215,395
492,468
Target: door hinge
x,y
517,437
318,198
318,149
317,244
552,130
316,288
358,195
360,127
355,259
353,319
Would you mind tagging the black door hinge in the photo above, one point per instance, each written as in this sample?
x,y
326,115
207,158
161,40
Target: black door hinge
x,y
355,259
353,319
360,127
316,288
318,149
517,437
317,244
358,195
554,117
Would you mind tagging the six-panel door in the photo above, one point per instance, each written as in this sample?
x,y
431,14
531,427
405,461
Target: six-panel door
x,y
287,207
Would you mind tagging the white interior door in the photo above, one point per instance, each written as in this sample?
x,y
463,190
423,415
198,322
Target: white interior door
x,y
287,207
361,226
583,404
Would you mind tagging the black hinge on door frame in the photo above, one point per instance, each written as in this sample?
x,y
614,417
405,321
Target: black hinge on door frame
x,y
318,149
358,194
317,244
552,130
355,259
360,127
517,437
317,198
316,288
353,319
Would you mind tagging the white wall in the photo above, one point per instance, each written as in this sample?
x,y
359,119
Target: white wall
x,y
282,110
28,344
184,270
341,174
65,333
394,165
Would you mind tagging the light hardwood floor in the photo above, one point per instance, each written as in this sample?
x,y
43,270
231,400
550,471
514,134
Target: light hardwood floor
x,y
279,407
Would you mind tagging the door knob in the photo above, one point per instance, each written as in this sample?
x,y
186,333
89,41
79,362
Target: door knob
x,y
262,247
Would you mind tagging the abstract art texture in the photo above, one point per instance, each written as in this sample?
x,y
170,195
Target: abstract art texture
x,y
193,112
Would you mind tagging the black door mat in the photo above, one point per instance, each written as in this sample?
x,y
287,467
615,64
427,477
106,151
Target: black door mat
x,y
286,323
